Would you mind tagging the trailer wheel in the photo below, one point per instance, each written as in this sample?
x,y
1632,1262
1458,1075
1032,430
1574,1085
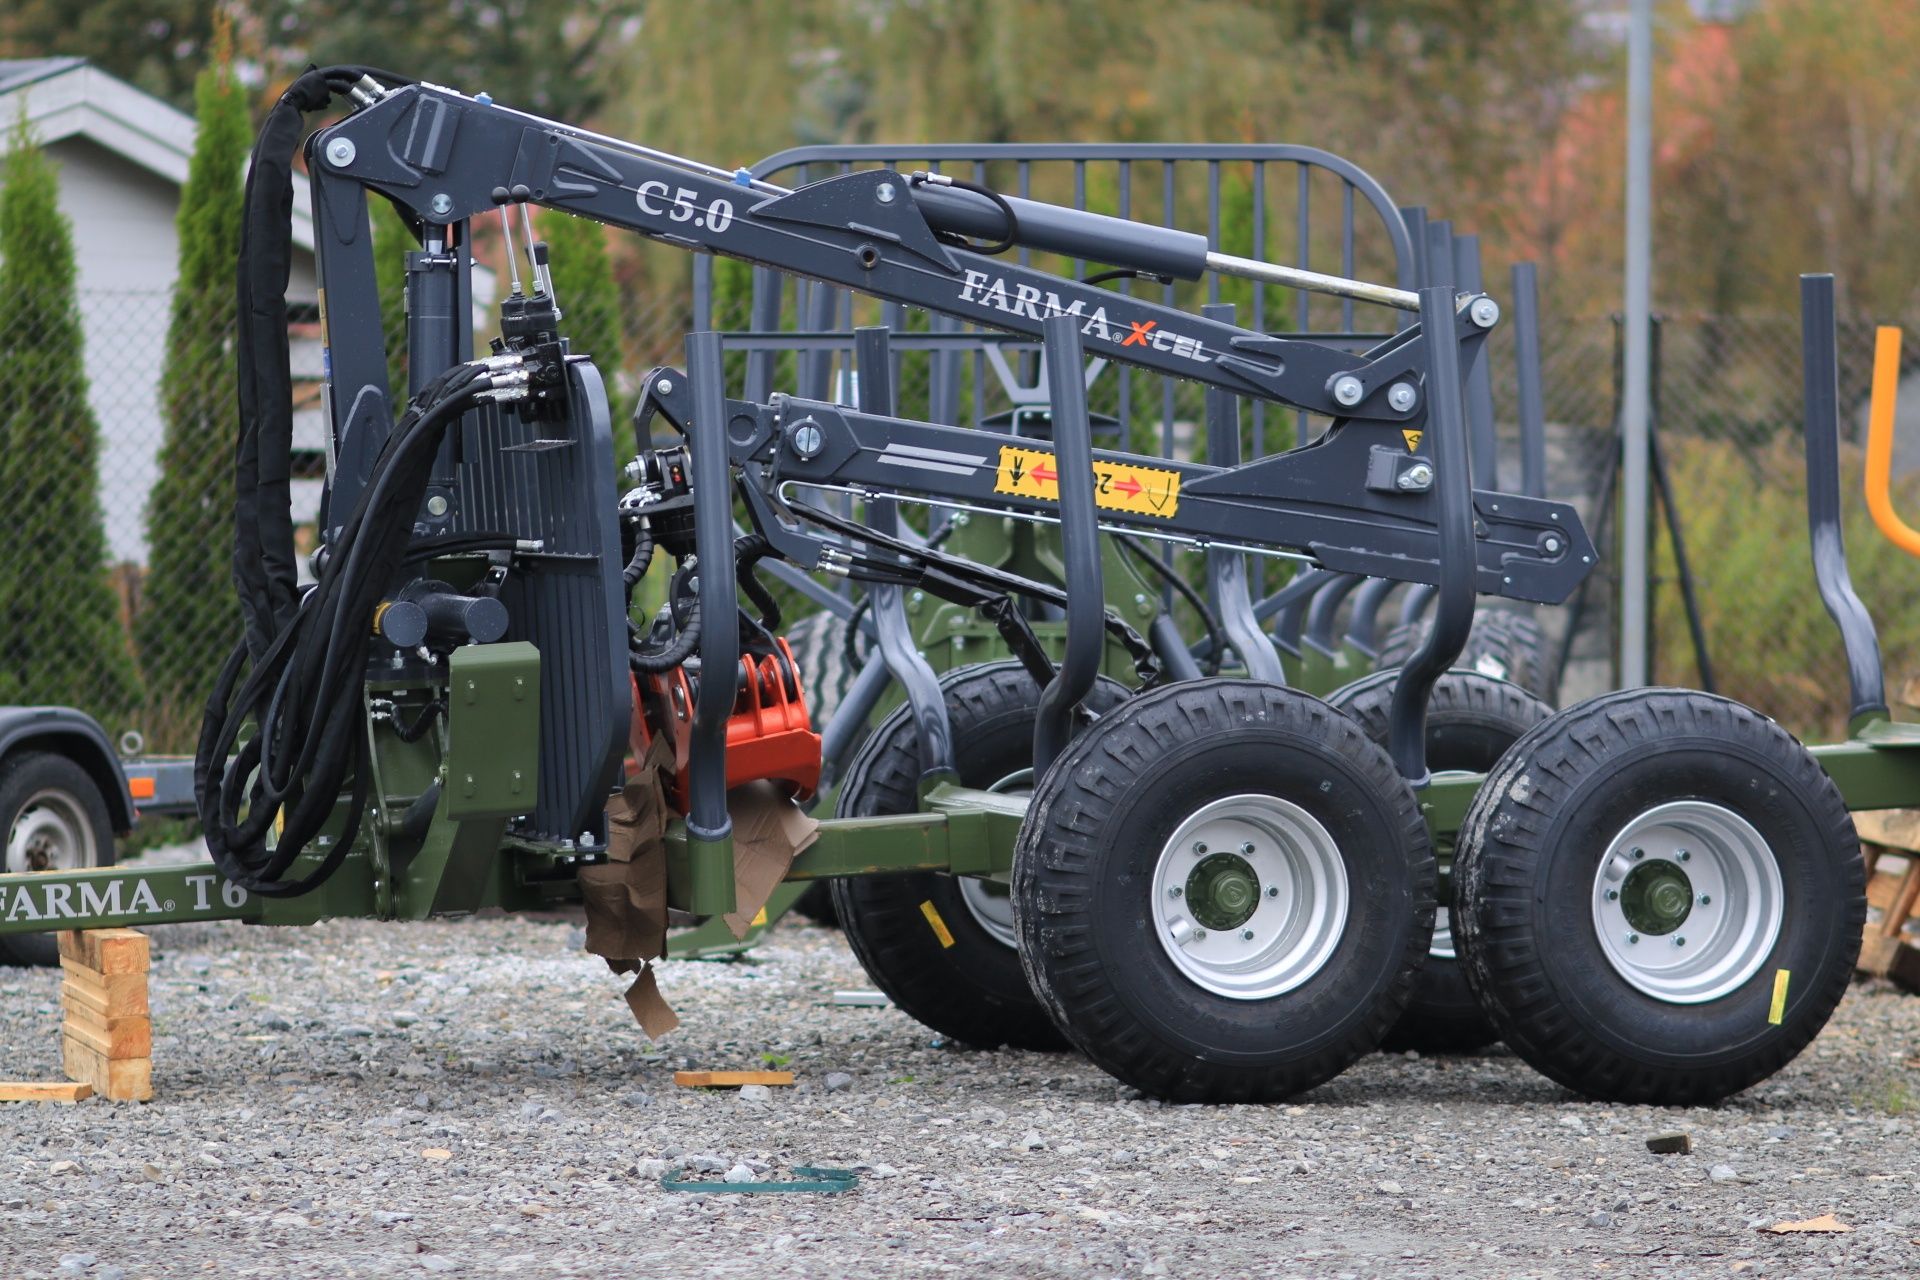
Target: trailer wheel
x,y
819,644
54,818
1471,721
1504,644
942,946
1223,891
1661,896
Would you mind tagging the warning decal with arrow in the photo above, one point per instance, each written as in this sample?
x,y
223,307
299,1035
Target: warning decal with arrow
x,y
1142,491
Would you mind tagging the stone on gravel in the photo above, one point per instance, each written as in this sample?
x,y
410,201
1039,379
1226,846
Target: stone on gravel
x,y
1670,1144
1723,1173
757,1095
838,1080
1600,1218
1388,1188
1032,1141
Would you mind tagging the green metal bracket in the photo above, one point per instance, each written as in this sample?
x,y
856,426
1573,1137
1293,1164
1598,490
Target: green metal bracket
x,y
493,731
714,941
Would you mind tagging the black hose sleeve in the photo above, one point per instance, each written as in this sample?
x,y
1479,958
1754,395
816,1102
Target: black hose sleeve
x,y
1186,592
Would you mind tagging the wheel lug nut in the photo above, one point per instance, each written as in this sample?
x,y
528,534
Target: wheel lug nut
x,y
1199,847
1638,853
1174,892
1613,895
1246,935
1705,899
1684,856
1679,941
1633,937
1247,848
1273,891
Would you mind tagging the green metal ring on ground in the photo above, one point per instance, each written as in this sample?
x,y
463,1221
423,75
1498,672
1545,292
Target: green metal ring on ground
x,y
1688,902
1250,896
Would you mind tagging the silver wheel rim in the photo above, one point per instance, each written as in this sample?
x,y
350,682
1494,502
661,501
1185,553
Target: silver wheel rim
x,y
50,833
1441,948
1299,899
1698,950
989,902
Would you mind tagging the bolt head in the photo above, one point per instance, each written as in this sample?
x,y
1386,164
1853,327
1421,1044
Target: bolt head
x,y
1613,895
1679,941
1417,478
340,152
884,193
1706,899
1175,891
1246,849
1273,891
1684,856
1199,847
1246,935
1485,312
664,386
1402,396
1552,546
1637,854
1347,390
807,438
1633,937
1199,935
436,505
443,203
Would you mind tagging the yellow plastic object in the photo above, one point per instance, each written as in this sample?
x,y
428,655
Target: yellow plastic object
x,y
1886,392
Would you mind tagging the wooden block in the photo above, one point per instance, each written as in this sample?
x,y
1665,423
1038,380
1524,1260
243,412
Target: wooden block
x,y
121,1079
123,995
729,1079
115,1037
1881,890
1876,952
1905,966
106,951
44,1091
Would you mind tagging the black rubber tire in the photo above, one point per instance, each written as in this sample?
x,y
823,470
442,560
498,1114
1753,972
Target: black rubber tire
x,y
31,774
1524,875
819,643
1505,643
971,989
1085,866
1471,721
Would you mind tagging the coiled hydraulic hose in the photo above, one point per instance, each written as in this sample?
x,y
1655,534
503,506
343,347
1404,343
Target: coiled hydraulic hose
x,y
302,694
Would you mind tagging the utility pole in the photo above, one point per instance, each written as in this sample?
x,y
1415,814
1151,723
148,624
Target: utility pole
x,y
1634,566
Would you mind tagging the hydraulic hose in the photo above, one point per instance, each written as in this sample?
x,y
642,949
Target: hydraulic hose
x,y
301,692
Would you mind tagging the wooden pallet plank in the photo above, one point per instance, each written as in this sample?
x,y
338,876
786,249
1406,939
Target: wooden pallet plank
x,y
114,1037
123,995
106,951
729,1079
45,1090
121,1079
1905,966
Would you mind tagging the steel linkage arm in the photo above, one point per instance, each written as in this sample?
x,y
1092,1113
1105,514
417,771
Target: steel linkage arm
x,y
444,158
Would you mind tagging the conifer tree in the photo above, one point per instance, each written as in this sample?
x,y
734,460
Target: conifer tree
x,y
187,618
61,639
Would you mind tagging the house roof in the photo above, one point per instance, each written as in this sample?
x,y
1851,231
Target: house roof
x,y
67,98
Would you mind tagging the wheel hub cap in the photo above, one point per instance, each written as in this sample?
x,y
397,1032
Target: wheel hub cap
x,y
1688,902
1249,897
49,834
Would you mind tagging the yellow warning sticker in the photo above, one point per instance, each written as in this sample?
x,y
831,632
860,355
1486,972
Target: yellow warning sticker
x,y
1140,491
1412,438
1779,1010
759,918
940,930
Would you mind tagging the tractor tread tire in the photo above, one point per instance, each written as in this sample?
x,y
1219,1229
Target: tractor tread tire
x,y
1551,808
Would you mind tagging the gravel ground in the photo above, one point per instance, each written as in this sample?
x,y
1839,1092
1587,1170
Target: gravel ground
x,y
379,1100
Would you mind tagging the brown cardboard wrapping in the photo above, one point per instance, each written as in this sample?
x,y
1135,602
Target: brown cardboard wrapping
x,y
769,831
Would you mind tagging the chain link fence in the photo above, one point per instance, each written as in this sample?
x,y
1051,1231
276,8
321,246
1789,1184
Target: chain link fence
x,y
1728,423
